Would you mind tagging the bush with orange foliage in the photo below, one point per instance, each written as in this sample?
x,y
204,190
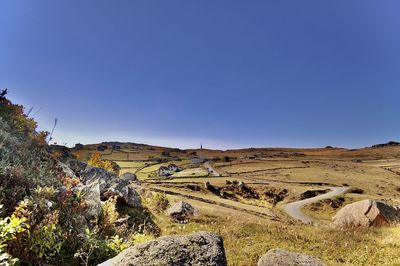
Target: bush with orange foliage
x,y
96,161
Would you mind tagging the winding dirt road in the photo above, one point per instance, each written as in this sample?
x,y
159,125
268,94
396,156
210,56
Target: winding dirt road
x,y
211,169
293,208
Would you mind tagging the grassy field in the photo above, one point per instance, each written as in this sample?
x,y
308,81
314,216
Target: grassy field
x,y
192,172
133,166
249,167
263,225
248,238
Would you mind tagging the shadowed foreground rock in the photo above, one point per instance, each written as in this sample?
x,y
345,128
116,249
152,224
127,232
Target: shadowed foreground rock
x,y
366,213
282,257
202,248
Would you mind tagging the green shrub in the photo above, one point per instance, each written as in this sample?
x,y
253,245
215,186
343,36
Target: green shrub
x,y
138,238
47,239
10,227
96,249
109,217
159,202
44,238
46,223
90,247
116,244
25,162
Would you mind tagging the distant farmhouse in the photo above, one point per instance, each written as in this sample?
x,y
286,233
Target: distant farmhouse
x,y
168,170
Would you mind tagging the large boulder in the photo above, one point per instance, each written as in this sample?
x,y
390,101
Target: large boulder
x,y
202,248
182,211
282,257
125,193
128,177
87,174
104,177
366,213
91,194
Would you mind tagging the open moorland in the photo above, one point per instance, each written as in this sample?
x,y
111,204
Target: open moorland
x,y
245,196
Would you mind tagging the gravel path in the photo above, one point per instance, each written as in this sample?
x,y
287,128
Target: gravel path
x,y
211,169
293,209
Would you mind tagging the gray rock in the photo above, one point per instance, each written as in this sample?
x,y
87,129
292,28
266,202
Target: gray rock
x,y
104,177
76,166
366,213
202,248
128,177
125,193
282,257
91,195
182,211
66,170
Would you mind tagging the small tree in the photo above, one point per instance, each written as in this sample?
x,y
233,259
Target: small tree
x,y
96,161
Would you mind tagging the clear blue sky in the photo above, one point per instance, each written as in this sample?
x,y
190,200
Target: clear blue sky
x,y
225,73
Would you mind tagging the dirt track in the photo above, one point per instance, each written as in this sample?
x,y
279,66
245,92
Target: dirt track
x,y
211,169
293,209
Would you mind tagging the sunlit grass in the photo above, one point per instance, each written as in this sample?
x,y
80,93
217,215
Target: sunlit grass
x,y
192,172
247,238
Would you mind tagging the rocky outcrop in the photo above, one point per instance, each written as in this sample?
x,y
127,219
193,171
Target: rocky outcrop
x,y
282,257
76,166
125,193
66,170
91,194
88,174
107,183
128,177
182,211
366,213
95,173
202,248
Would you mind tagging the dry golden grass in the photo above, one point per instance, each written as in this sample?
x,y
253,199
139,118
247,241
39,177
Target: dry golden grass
x,y
248,238
192,172
257,166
